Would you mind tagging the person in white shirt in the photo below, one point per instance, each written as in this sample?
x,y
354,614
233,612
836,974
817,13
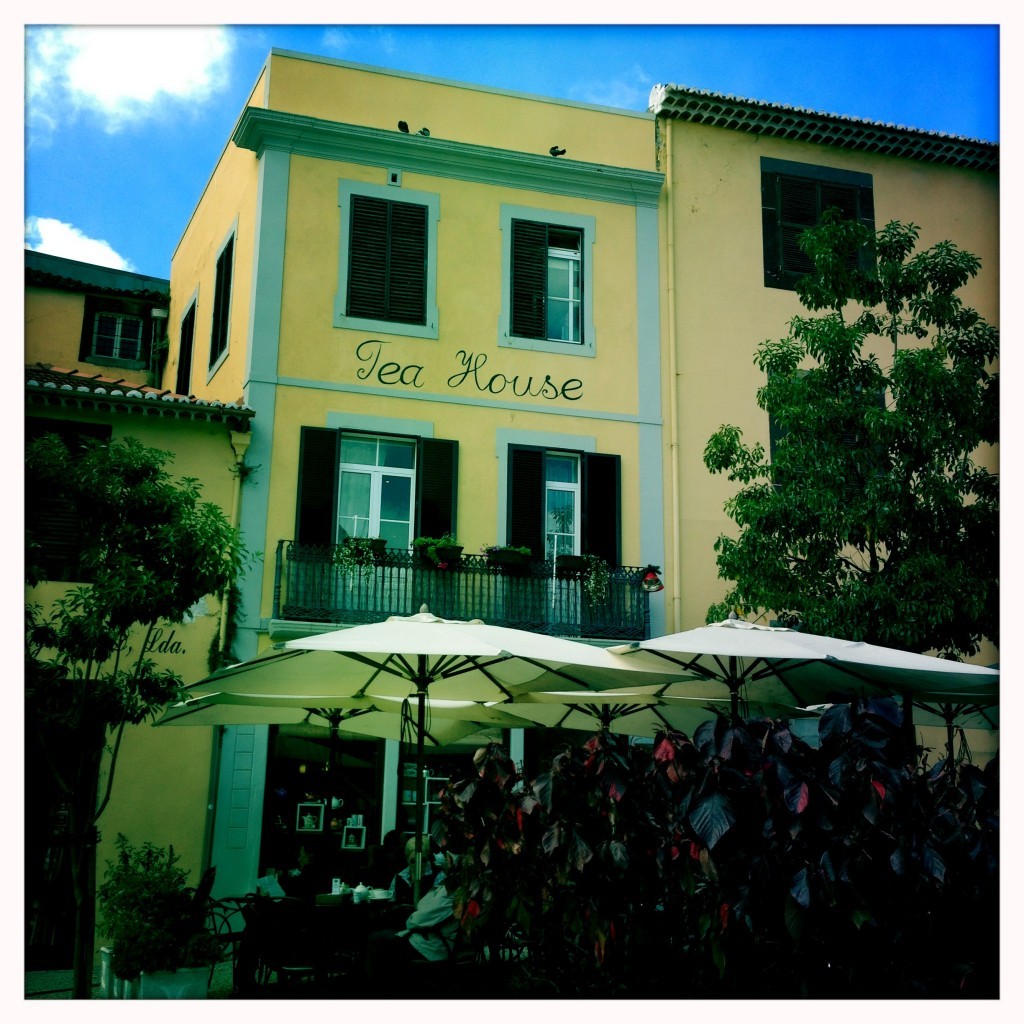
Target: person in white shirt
x,y
429,932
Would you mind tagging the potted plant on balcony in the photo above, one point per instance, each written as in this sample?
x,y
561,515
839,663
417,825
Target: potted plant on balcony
x,y
359,555
442,552
156,924
507,558
591,570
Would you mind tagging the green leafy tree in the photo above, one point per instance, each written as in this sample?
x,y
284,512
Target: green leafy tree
x,y
872,518
151,549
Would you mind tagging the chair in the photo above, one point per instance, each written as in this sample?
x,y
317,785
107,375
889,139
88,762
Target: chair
x,y
226,919
282,940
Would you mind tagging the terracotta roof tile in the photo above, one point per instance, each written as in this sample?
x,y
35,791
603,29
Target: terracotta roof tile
x,y
59,385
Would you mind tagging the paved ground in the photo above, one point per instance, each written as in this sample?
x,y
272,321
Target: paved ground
x,y
57,984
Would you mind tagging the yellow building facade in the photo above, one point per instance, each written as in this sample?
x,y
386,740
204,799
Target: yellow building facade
x,y
442,303
723,291
90,335
719,155
452,310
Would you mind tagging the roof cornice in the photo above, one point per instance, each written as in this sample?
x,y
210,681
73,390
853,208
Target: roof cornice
x,y
259,130
756,117
72,389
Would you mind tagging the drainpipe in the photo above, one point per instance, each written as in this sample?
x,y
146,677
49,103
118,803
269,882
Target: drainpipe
x,y
239,445
675,623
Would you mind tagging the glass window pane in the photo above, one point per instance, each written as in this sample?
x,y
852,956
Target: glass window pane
x,y
562,469
395,494
354,505
360,451
560,524
558,321
558,277
397,535
397,454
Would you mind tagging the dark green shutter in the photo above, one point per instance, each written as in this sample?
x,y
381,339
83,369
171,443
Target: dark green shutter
x,y
221,301
317,504
525,516
188,327
52,524
791,203
437,465
387,261
601,528
529,279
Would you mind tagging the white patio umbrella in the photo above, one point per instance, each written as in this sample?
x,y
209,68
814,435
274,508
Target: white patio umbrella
x,y
790,667
380,717
407,656
641,712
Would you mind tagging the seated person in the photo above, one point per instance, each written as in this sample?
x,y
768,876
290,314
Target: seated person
x,y
428,934
309,879
402,883
386,860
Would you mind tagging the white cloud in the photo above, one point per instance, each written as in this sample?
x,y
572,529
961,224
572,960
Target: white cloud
x,y
44,234
123,73
629,90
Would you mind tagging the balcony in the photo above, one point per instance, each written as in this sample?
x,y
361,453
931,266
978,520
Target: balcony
x,y
310,587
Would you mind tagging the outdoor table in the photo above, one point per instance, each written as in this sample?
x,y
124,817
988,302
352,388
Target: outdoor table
x,y
347,925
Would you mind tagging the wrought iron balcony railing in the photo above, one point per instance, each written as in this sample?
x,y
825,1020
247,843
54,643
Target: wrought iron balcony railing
x,y
310,586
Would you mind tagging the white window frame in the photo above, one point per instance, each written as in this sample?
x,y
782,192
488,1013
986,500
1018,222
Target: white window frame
x,y
116,354
587,226
576,490
376,473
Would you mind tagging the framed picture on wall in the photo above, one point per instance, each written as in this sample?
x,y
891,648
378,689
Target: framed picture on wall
x,y
309,817
353,837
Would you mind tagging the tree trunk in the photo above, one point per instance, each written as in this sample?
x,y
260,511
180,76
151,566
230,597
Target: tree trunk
x,y
83,838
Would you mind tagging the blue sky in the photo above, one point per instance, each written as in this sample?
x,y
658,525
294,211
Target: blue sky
x,y
124,123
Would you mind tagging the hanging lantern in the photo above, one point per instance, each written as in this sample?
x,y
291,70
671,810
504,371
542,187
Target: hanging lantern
x,y
651,583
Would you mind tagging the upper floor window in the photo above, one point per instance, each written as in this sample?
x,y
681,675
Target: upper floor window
x,y
564,502
547,281
120,332
561,504
387,266
117,335
355,484
376,488
793,198
183,384
222,302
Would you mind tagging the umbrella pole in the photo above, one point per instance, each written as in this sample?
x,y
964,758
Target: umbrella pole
x,y
421,700
734,689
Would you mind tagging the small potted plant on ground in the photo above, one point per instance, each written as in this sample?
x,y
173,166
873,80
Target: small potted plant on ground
x,y
442,552
156,924
359,555
507,558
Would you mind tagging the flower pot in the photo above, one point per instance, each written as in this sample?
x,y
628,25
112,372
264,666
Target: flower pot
x,y
570,567
184,983
111,986
513,563
449,556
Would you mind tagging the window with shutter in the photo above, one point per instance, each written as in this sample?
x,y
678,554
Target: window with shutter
x,y
183,385
116,332
54,531
388,261
387,266
353,483
221,302
793,198
562,498
547,261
